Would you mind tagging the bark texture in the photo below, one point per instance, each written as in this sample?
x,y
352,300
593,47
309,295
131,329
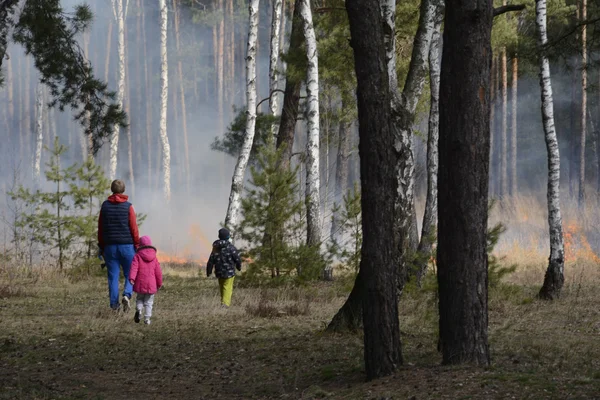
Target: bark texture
x,y
378,187
237,181
428,230
504,126
463,182
313,200
291,97
513,142
164,99
120,12
554,278
274,61
39,129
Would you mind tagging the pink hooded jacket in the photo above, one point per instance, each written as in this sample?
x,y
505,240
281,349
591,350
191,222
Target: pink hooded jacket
x,y
145,269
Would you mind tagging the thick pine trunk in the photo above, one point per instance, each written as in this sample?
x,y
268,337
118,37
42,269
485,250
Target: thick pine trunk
x,y
581,197
274,60
119,14
554,278
349,318
379,186
428,230
164,97
313,200
291,97
463,182
513,142
237,181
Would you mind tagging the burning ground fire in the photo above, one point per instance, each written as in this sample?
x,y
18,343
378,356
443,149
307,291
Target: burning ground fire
x,y
195,250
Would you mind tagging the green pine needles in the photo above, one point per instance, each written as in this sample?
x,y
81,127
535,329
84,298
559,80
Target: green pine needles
x,y
274,225
49,35
62,218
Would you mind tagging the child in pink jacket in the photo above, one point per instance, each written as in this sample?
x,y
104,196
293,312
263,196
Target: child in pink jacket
x,y
146,278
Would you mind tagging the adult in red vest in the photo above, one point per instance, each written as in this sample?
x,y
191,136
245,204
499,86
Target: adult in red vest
x,y
118,238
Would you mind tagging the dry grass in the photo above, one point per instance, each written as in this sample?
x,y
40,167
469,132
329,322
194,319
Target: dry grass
x,y
59,340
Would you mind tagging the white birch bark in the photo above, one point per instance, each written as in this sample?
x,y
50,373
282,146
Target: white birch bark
x,y
554,278
10,12
430,217
313,209
164,97
273,62
39,129
237,181
119,11
404,108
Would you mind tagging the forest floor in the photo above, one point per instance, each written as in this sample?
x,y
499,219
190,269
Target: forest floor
x,y
58,340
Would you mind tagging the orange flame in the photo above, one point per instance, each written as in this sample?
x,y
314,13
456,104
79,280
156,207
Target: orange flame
x,y
196,249
577,246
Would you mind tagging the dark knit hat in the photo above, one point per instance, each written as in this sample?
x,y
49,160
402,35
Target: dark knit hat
x,y
224,234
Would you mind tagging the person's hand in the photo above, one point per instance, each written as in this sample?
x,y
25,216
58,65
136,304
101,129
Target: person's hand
x,y
132,281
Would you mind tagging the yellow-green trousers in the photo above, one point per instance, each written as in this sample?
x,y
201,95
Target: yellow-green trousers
x,y
226,288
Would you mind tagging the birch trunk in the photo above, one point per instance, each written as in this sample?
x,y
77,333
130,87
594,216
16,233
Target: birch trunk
x,y
237,181
39,129
186,152
403,111
513,142
313,208
164,97
581,197
273,62
119,14
430,218
503,132
221,69
148,101
554,278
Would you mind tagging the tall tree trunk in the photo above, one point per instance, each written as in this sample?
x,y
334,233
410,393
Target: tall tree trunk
x,y
574,138
463,182
291,97
428,230
379,186
39,129
164,97
147,100
513,153
313,199
554,278
504,125
26,134
119,14
220,71
341,174
231,54
128,131
237,181
403,110
581,197
273,61
493,172
186,152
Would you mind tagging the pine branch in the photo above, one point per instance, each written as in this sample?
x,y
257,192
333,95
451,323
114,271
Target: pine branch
x,y
508,8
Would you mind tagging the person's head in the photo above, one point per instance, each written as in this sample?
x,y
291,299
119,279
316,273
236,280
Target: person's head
x,y
145,241
117,186
224,234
